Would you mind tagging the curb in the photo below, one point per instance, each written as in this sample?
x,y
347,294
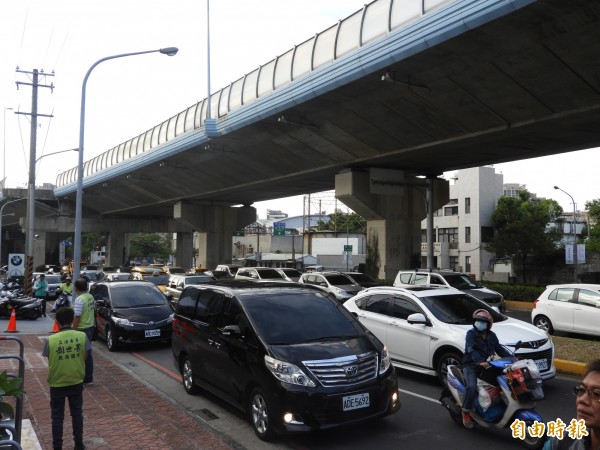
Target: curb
x,y
570,367
561,365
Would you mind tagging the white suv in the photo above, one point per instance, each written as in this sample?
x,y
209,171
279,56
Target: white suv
x,y
425,327
337,284
457,280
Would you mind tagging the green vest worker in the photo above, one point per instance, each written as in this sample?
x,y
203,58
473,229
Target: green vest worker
x,y
66,352
84,320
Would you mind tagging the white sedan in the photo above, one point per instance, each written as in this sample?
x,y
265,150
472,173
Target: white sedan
x,y
424,328
574,308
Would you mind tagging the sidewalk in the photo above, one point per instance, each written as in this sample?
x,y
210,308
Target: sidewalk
x,y
120,412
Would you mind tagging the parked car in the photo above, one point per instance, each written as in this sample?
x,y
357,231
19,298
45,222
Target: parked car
x,y
286,354
574,308
425,327
290,272
362,279
131,312
154,275
458,280
261,273
177,283
336,283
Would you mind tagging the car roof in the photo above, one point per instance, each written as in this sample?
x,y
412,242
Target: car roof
x,y
423,290
574,285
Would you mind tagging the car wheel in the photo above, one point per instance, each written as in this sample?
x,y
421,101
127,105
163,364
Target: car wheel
x,y
259,415
111,342
187,376
543,323
447,359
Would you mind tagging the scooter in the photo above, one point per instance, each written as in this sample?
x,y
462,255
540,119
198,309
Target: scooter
x,y
518,384
63,299
25,307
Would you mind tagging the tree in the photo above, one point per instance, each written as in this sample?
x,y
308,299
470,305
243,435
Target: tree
x,y
153,245
373,261
593,209
521,229
342,222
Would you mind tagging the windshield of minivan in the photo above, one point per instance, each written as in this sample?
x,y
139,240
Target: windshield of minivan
x,y
136,295
457,308
284,318
459,281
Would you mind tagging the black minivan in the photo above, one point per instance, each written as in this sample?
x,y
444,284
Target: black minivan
x,y
290,356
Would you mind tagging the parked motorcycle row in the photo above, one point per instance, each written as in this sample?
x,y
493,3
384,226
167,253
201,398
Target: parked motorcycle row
x,y
13,297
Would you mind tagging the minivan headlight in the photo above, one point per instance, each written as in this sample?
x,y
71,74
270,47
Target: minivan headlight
x,y
122,322
286,372
385,362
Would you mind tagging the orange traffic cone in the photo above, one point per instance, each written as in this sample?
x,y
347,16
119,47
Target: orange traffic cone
x,y
12,323
56,328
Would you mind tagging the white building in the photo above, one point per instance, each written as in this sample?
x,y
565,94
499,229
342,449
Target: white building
x,y
464,224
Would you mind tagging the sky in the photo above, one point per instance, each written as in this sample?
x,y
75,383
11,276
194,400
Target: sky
x,y
127,96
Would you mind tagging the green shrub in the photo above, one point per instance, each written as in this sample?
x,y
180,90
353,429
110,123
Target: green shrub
x,y
516,292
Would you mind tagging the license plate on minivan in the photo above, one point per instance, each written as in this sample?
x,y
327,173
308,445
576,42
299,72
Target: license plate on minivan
x,y
152,333
355,401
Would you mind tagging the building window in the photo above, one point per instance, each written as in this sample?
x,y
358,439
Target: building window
x,y
450,210
467,264
487,234
468,205
453,262
448,235
467,235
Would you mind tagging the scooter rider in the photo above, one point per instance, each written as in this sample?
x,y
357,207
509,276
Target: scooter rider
x,y
481,343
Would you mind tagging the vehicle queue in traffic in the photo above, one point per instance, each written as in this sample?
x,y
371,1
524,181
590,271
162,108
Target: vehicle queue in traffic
x,y
231,322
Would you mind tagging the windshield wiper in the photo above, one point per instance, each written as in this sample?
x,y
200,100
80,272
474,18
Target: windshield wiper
x,y
331,338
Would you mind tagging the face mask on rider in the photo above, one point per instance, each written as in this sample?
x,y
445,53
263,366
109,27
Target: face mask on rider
x,y
481,325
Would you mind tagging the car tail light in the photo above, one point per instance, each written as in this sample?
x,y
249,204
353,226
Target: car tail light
x,y
535,303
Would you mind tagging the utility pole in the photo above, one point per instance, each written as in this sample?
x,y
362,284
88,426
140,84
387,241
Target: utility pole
x,y
29,236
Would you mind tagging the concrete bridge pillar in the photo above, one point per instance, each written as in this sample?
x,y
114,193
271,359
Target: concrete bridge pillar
x,y
215,225
184,251
117,248
39,249
393,206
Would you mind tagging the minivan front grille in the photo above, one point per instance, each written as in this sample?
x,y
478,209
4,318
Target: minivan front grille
x,y
344,371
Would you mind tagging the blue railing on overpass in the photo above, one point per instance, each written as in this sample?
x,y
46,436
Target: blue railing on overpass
x,y
374,21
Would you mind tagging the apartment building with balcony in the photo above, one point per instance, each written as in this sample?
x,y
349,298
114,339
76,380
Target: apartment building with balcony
x,y
464,224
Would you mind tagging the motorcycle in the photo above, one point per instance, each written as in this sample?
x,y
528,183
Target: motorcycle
x,y
508,393
63,299
25,307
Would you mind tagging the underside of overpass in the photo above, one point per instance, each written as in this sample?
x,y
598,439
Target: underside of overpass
x,y
523,85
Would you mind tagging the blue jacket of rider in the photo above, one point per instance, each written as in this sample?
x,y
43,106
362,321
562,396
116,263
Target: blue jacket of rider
x,y
478,349
568,444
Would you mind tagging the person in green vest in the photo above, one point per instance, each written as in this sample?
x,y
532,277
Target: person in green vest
x,y
66,352
85,321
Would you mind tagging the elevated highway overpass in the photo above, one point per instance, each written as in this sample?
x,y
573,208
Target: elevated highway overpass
x,y
400,89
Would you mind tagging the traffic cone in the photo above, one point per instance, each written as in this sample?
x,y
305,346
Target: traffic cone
x,y
56,328
12,323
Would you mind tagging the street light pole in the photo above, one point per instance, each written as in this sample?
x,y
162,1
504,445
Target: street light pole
x,y
170,51
574,231
1,210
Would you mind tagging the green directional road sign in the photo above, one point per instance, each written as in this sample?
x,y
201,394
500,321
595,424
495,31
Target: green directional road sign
x,y
348,248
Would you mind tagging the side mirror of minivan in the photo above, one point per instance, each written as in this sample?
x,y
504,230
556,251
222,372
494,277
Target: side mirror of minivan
x,y
231,330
